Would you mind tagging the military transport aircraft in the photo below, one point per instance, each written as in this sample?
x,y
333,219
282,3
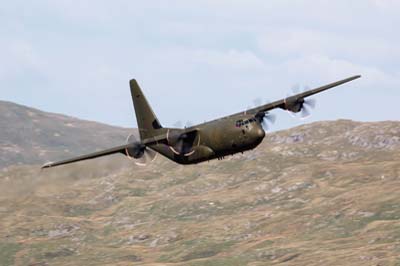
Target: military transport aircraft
x,y
215,139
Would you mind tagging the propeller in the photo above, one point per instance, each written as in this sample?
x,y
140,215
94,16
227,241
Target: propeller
x,y
308,105
305,105
265,119
139,152
181,143
183,146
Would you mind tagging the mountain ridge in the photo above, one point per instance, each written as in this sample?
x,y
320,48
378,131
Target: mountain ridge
x,y
37,136
32,136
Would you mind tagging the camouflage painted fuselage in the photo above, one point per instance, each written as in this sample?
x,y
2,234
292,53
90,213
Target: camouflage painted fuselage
x,y
216,139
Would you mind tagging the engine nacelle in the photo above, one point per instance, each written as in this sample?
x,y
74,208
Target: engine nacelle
x,y
135,151
174,136
135,148
181,142
294,104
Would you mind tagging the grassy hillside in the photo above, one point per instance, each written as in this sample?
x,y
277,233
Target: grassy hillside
x,y
320,194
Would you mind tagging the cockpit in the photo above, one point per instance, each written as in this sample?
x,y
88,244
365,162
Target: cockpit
x,y
241,122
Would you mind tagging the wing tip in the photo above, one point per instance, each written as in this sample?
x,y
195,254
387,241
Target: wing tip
x,y
349,79
47,165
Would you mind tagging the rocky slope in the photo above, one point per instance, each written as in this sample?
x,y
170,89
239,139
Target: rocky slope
x,y
320,194
30,136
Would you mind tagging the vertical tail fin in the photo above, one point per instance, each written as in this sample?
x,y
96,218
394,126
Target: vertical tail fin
x,y
146,119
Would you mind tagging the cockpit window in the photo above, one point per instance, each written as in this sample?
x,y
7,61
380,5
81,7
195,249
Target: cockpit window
x,y
242,122
239,123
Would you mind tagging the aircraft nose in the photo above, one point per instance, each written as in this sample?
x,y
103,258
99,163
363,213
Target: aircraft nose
x,y
260,133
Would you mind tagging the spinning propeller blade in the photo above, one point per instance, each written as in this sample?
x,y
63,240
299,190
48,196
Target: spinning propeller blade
x,y
307,105
139,152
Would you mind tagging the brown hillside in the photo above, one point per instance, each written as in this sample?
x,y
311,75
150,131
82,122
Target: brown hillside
x,y
320,194
30,136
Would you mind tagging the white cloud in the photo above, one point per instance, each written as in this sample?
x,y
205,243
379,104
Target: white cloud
x,y
231,59
17,56
387,4
192,49
325,68
298,42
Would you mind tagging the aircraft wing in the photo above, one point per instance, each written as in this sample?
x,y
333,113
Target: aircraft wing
x,y
287,102
119,149
162,138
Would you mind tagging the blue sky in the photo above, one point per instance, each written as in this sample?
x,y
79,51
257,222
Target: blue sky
x,y
198,60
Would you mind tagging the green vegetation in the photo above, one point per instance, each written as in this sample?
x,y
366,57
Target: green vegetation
x,y
8,252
